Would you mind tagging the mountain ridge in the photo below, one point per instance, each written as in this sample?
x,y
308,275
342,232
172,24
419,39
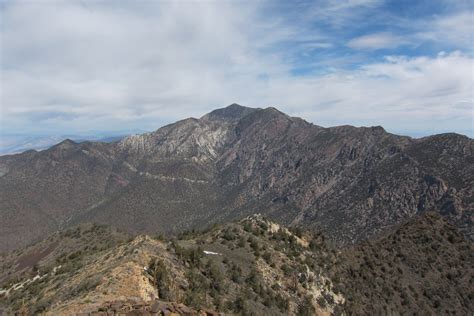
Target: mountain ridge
x,y
350,182
250,266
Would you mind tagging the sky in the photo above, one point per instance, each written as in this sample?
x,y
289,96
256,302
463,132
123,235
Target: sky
x,y
82,67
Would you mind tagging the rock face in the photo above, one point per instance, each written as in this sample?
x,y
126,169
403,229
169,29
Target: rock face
x,y
350,182
151,308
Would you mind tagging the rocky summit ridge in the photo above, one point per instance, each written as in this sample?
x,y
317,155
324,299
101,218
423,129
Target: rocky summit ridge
x,y
352,183
253,266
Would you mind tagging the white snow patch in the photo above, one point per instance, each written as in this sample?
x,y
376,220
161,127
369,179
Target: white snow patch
x,y
206,252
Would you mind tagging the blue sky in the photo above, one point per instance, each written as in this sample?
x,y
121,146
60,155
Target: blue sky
x,y
78,67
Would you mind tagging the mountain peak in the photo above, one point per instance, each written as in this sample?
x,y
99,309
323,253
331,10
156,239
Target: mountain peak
x,y
233,112
67,143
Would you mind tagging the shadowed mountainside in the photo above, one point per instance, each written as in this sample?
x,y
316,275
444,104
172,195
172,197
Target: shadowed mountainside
x,y
349,182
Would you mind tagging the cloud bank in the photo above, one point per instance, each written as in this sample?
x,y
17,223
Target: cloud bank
x,y
78,66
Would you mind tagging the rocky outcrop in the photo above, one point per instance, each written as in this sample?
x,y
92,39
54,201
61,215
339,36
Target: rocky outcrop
x,y
253,266
138,307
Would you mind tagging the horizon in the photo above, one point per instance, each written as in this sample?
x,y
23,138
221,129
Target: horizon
x,y
121,68
115,133
24,142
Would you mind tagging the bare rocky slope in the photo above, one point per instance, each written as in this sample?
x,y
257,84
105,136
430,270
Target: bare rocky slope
x,y
250,267
349,182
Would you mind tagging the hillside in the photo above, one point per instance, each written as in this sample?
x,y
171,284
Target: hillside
x,y
253,266
349,182
423,266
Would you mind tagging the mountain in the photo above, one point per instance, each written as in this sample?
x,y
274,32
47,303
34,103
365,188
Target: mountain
x,y
421,266
252,267
351,183
12,144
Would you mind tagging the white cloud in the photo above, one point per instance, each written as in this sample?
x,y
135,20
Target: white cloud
x,y
455,29
402,94
76,66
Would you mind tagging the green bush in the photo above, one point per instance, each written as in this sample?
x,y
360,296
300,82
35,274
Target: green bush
x,y
229,235
267,256
216,276
306,307
161,277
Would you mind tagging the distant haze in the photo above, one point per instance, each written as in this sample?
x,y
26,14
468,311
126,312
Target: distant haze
x,y
12,144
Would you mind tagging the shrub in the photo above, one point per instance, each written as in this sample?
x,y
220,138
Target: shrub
x,y
215,274
161,277
306,307
254,244
238,304
282,303
322,302
287,270
267,256
228,235
191,256
236,274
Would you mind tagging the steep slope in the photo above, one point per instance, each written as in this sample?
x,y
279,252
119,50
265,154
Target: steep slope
x,y
170,176
422,267
42,267
349,182
41,190
253,266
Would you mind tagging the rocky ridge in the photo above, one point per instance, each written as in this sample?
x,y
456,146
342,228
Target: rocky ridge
x,y
253,266
352,183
